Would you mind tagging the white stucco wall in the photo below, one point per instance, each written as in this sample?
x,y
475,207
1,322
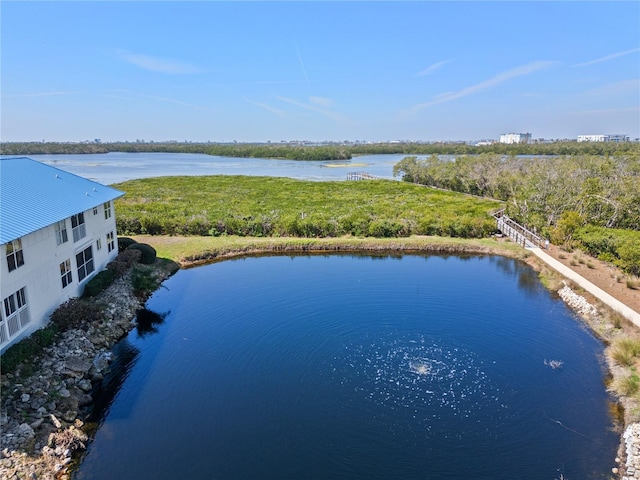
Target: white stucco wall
x,y
40,274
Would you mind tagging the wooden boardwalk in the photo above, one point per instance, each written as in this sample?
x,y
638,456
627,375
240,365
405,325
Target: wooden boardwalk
x,y
517,232
537,245
360,176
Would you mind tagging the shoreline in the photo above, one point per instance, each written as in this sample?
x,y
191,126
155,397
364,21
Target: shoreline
x,y
42,416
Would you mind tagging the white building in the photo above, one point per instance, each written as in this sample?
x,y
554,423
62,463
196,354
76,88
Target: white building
x,y
592,138
57,230
616,138
511,138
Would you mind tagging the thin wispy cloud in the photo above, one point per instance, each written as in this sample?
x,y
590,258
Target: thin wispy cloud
x,y
494,81
322,101
265,82
61,93
615,88
444,94
177,102
157,64
267,107
304,70
612,110
336,117
40,94
432,68
607,58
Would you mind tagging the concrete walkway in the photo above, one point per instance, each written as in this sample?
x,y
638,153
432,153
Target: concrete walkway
x,y
597,292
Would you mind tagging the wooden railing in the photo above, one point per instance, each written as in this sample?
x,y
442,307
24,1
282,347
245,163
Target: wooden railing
x,y
360,176
517,232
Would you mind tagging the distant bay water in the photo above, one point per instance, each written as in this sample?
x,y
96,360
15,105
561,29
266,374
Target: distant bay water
x,y
109,168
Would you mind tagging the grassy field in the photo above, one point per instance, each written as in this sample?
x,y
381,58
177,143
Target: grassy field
x,y
278,207
195,250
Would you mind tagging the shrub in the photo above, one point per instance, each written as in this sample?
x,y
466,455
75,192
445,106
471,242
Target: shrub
x,y
569,222
385,228
618,246
196,226
616,319
633,283
148,252
627,385
124,243
355,223
152,225
27,349
124,261
625,350
143,279
98,283
76,312
629,252
598,241
128,225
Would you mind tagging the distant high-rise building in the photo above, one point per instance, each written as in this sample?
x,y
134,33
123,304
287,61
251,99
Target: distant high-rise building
x,y
511,138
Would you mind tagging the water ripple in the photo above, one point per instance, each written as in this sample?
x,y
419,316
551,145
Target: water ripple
x,y
418,374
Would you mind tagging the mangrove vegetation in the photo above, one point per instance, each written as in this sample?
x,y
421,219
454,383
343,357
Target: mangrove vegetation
x,y
324,151
587,201
268,206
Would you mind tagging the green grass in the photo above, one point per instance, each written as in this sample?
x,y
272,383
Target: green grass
x,y
190,250
276,207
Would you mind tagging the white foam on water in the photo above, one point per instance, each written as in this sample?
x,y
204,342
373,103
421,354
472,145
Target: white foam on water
x,y
410,372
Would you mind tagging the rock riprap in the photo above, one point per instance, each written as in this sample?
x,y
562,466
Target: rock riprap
x,y
41,414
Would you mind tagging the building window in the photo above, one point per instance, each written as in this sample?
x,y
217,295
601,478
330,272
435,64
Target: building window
x,y
95,210
78,227
15,258
84,261
16,315
65,273
99,244
111,244
107,210
61,232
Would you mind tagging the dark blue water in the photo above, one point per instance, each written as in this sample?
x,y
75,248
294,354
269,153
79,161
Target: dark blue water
x,y
357,367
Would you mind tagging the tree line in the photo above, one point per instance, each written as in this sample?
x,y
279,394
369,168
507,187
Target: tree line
x,y
603,191
592,201
332,151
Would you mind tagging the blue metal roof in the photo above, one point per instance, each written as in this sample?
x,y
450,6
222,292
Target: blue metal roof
x,y
34,195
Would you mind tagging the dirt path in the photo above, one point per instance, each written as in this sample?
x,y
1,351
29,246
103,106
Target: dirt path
x,y
601,274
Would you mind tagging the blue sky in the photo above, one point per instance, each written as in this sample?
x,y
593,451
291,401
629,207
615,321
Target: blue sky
x,y
374,71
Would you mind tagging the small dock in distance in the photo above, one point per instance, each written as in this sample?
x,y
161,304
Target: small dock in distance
x,y
360,176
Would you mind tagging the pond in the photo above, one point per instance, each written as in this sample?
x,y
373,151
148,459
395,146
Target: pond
x,y
355,367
